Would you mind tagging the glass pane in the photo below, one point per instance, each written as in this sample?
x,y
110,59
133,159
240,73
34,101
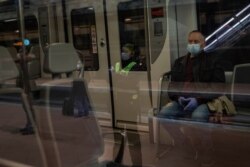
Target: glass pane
x,y
85,36
17,147
9,32
226,26
132,34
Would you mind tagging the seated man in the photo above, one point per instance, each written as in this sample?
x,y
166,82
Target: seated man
x,y
195,67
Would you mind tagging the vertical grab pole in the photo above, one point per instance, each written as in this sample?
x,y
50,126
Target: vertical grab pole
x,y
24,68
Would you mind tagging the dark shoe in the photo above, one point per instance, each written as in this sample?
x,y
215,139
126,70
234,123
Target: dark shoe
x,y
27,131
23,129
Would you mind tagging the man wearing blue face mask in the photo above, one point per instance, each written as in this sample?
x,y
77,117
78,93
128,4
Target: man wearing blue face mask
x,y
195,67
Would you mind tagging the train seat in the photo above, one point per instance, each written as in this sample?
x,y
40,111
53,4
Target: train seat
x,y
239,94
8,68
33,60
13,52
34,67
33,64
9,71
236,82
194,140
55,57
60,58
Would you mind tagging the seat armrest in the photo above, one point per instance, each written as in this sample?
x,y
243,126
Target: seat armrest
x,y
166,77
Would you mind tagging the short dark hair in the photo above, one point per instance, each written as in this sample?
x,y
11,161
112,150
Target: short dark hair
x,y
197,31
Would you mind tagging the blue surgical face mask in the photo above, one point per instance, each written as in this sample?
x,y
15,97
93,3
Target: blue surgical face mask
x,y
194,49
125,56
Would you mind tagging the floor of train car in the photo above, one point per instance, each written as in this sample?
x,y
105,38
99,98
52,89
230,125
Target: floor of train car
x,y
24,149
60,89
232,147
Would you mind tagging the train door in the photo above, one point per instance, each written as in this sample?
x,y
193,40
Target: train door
x,y
99,33
88,34
128,33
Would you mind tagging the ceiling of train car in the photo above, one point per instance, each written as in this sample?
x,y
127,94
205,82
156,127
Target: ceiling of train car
x,y
11,5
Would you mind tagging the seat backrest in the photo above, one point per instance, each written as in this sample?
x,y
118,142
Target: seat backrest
x,y
240,73
240,82
8,68
13,52
35,50
34,65
60,58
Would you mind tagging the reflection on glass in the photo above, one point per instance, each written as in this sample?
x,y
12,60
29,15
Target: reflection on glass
x,y
132,32
85,36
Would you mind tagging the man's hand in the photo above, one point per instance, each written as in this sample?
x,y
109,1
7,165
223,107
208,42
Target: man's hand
x,y
182,101
192,104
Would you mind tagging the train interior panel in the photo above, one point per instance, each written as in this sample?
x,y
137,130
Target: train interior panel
x,y
86,82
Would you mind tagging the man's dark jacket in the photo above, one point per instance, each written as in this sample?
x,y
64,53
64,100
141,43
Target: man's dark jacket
x,y
205,69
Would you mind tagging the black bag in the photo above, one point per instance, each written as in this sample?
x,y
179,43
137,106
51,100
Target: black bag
x,y
68,107
78,104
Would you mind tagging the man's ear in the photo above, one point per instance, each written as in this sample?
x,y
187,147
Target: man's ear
x,y
203,44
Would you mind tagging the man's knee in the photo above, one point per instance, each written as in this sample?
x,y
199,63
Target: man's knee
x,y
201,113
170,109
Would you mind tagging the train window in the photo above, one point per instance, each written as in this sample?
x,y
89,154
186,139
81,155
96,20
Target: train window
x,y
85,36
224,18
132,32
10,33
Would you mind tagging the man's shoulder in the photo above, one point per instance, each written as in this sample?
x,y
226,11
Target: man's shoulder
x,y
214,60
212,56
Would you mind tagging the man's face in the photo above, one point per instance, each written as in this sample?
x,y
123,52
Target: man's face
x,y
196,38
